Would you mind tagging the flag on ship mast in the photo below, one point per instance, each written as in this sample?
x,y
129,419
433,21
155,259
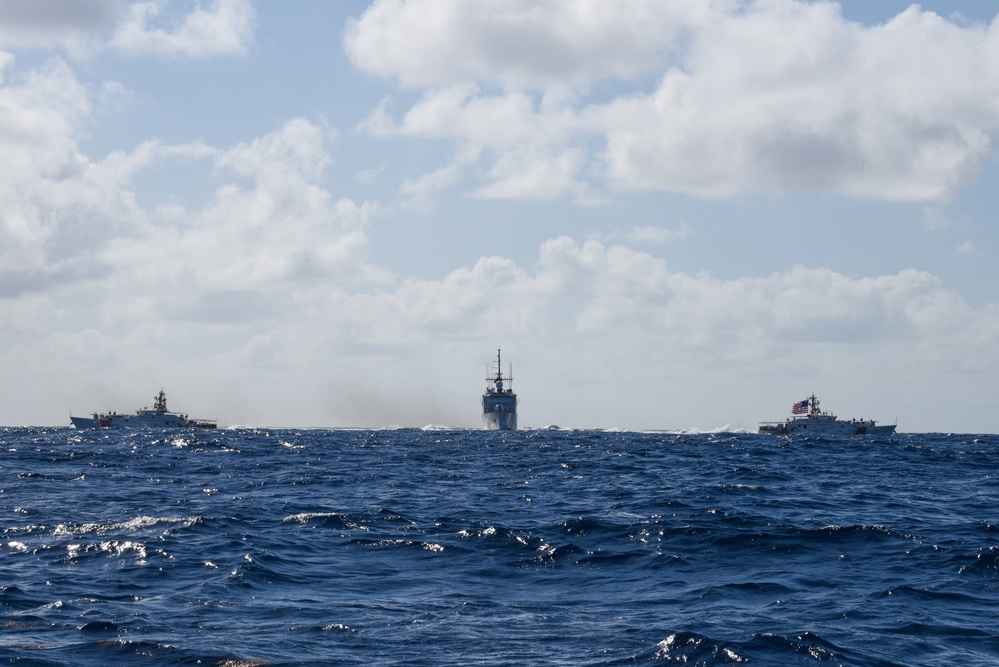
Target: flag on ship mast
x,y
800,408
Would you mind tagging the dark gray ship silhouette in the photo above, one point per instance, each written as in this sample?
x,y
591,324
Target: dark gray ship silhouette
x,y
499,403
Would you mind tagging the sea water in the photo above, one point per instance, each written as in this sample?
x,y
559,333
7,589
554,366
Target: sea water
x,y
239,548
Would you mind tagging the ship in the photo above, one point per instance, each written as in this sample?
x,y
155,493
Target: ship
x,y
807,419
157,416
499,403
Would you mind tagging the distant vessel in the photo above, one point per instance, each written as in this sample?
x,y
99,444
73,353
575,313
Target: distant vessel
x,y
499,404
806,418
155,417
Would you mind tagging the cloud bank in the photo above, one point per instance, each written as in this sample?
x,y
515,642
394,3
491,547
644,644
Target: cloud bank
x,y
261,287
564,98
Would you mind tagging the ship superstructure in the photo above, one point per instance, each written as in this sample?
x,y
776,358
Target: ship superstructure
x,y
157,416
807,419
499,403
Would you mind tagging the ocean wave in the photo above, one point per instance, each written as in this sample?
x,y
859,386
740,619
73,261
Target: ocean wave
x,y
986,562
332,520
805,645
113,548
136,524
693,648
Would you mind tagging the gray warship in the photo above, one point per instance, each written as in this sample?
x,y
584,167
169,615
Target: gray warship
x,y
499,403
157,416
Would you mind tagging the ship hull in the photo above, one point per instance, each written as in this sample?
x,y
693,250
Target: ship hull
x,y
139,422
817,422
499,403
157,416
88,422
810,427
499,421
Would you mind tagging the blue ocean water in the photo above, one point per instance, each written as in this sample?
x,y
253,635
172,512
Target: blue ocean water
x,y
239,548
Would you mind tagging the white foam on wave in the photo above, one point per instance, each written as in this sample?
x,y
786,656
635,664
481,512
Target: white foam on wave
x,y
727,428
138,523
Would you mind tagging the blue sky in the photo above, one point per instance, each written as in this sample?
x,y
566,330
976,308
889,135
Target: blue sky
x,y
677,215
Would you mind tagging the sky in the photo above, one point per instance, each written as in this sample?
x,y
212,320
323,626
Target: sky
x,y
669,215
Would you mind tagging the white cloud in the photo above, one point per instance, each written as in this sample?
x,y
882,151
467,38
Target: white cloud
x,y
530,151
781,95
830,106
256,248
269,233
616,293
93,278
536,174
518,43
55,204
418,191
224,27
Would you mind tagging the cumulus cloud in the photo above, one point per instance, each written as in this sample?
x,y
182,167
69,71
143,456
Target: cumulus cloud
x,y
831,106
268,235
614,293
418,191
519,44
56,205
708,99
92,277
221,28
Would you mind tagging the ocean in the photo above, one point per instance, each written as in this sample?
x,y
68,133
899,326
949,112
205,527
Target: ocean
x,y
239,548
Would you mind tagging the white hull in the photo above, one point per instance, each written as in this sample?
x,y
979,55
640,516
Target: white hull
x,y
155,417
499,421
816,422
88,422
811,427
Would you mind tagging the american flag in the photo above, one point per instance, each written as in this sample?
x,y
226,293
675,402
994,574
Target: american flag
x,y
800,408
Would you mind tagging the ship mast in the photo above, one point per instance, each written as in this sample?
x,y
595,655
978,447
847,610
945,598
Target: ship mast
x,y
499,378
160,401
